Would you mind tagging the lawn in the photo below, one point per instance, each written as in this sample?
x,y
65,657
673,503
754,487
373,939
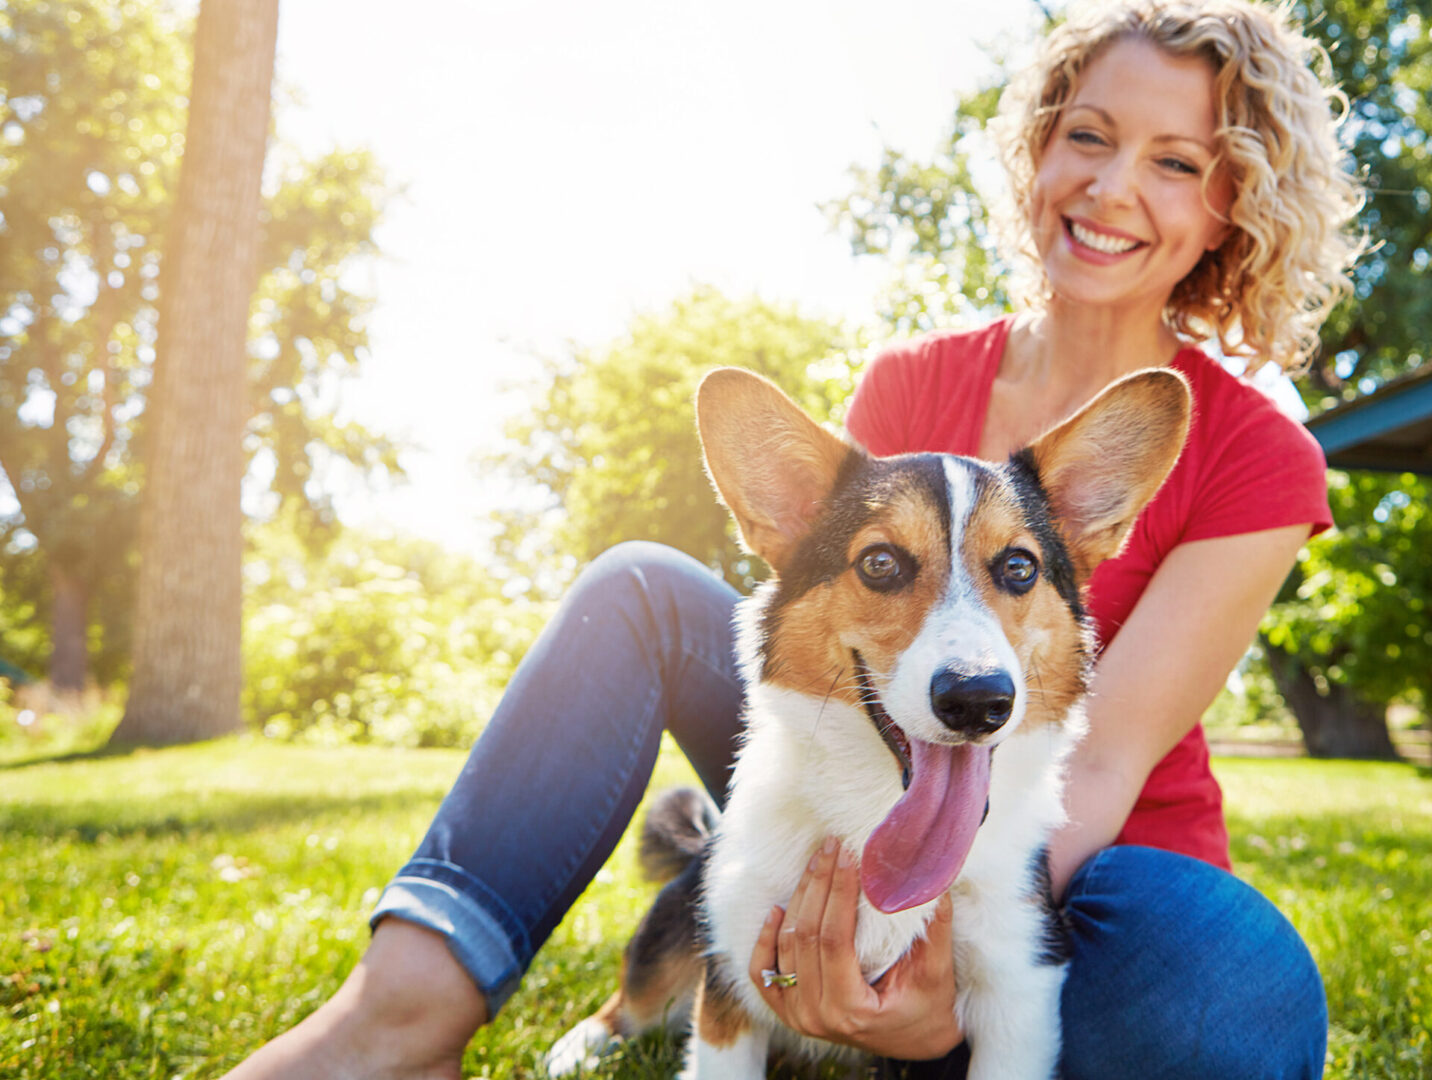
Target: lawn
x,y
163,912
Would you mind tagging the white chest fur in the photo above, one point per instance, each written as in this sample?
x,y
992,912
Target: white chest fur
x,y
796,785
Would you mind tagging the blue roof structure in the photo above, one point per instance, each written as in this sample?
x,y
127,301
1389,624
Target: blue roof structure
x,y
1389,430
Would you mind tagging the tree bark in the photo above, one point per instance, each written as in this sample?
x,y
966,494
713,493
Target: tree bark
x,y
187,628
69,630
1335,722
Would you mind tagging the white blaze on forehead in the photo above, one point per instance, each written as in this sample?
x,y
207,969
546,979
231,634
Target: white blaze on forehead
x,y
959,632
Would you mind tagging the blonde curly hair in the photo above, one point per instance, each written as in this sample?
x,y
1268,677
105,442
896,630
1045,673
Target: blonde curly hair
x,y
1267,289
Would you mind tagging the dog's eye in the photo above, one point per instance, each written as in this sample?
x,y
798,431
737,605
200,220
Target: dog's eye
x,y
1017,570
882,568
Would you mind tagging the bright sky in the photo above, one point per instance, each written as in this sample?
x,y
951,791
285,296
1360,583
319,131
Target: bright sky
x,y
567,164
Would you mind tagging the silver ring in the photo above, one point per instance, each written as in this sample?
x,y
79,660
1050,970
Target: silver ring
x,y
771,977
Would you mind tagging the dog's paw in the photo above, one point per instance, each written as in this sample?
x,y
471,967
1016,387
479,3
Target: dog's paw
x,y
581,1048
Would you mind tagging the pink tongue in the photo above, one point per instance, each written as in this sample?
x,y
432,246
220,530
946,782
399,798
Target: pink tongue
x,y
915,853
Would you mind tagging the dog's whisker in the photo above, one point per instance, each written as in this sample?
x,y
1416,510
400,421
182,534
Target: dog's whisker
x,y
825,700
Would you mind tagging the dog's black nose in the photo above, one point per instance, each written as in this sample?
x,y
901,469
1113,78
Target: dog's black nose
x,y
973,705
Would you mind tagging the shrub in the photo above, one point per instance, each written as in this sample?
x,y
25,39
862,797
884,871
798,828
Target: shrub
x,y
376,640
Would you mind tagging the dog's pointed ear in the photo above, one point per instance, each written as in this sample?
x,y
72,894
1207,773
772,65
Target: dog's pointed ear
x,y
1101,467
772,464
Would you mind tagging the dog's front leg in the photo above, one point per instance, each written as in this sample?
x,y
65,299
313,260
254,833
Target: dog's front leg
x,y
1012,1023
726,1044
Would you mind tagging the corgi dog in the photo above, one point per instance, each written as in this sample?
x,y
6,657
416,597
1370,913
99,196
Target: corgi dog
x,y
915,667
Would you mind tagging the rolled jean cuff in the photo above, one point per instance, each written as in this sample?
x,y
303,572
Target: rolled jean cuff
x,y
487,941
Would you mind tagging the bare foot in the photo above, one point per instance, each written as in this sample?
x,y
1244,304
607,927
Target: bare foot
x,y
406,1012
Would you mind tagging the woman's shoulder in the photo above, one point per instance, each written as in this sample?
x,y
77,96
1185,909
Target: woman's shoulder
x,y
940,348
928,392
939,362
1227,405
1247,464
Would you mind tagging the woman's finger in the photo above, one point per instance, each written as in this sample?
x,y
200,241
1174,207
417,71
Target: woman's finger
x,y
765,963
844,982
801,937
799,943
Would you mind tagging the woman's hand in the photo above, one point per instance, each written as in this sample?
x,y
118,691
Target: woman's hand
x,y
909,1013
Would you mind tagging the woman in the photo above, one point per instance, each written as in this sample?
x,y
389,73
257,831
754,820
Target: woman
x,y
1175,179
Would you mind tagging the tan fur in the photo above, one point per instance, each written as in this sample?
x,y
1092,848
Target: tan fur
x,y
1102,466
1037,624
818,631
720,1019
613,1012
666,981
777,463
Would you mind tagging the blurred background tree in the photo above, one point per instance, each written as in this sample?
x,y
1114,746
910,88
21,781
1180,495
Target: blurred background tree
x,y
188,609
1352,637
92,111
348,635
611,437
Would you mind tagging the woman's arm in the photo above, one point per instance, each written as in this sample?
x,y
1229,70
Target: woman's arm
x,y
1155,679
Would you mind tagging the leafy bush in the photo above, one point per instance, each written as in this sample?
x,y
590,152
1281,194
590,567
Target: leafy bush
x,y
35,721
1358,616
376,640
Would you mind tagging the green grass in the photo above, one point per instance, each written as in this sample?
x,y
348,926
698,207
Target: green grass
x,y
1345,850
163,912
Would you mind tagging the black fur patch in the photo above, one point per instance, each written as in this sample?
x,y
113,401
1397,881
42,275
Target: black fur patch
x,y
1055,945
952,1066
865,484
671,927
1023,477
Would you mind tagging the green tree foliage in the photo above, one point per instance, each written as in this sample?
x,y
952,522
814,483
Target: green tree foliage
x,y
1359,614
1352,636
612,439
308,329
92,113
1381,53
89,110
1351,633
1347,629
929,221
375,640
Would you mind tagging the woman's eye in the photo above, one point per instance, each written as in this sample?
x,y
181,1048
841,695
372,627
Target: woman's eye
x,y
1178,165
1017,570
1088,138
882,567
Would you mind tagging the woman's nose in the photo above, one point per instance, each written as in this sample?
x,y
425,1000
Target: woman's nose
x,y
1114,181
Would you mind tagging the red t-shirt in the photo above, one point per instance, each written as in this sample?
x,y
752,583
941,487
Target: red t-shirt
x,y
1246,467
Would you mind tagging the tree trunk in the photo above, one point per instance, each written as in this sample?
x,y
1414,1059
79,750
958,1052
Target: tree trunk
x,y
187,606
69,630
1335,722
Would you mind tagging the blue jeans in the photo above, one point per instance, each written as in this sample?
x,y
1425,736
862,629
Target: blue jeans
x,y
1179,969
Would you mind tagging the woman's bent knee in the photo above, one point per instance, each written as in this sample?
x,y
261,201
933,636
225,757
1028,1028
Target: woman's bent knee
x,y
638,566
1181,970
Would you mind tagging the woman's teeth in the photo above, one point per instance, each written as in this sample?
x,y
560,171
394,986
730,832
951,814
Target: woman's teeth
x,y
1109,245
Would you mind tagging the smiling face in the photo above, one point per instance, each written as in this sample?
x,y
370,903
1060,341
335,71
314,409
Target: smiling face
x,y
1121,211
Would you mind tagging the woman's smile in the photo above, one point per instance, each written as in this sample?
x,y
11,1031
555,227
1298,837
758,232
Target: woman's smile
x,y
1096,243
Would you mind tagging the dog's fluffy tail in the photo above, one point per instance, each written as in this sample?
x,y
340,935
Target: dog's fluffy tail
x,y
676,829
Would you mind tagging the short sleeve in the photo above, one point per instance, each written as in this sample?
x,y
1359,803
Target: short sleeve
x,y
1263,470
1245,468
